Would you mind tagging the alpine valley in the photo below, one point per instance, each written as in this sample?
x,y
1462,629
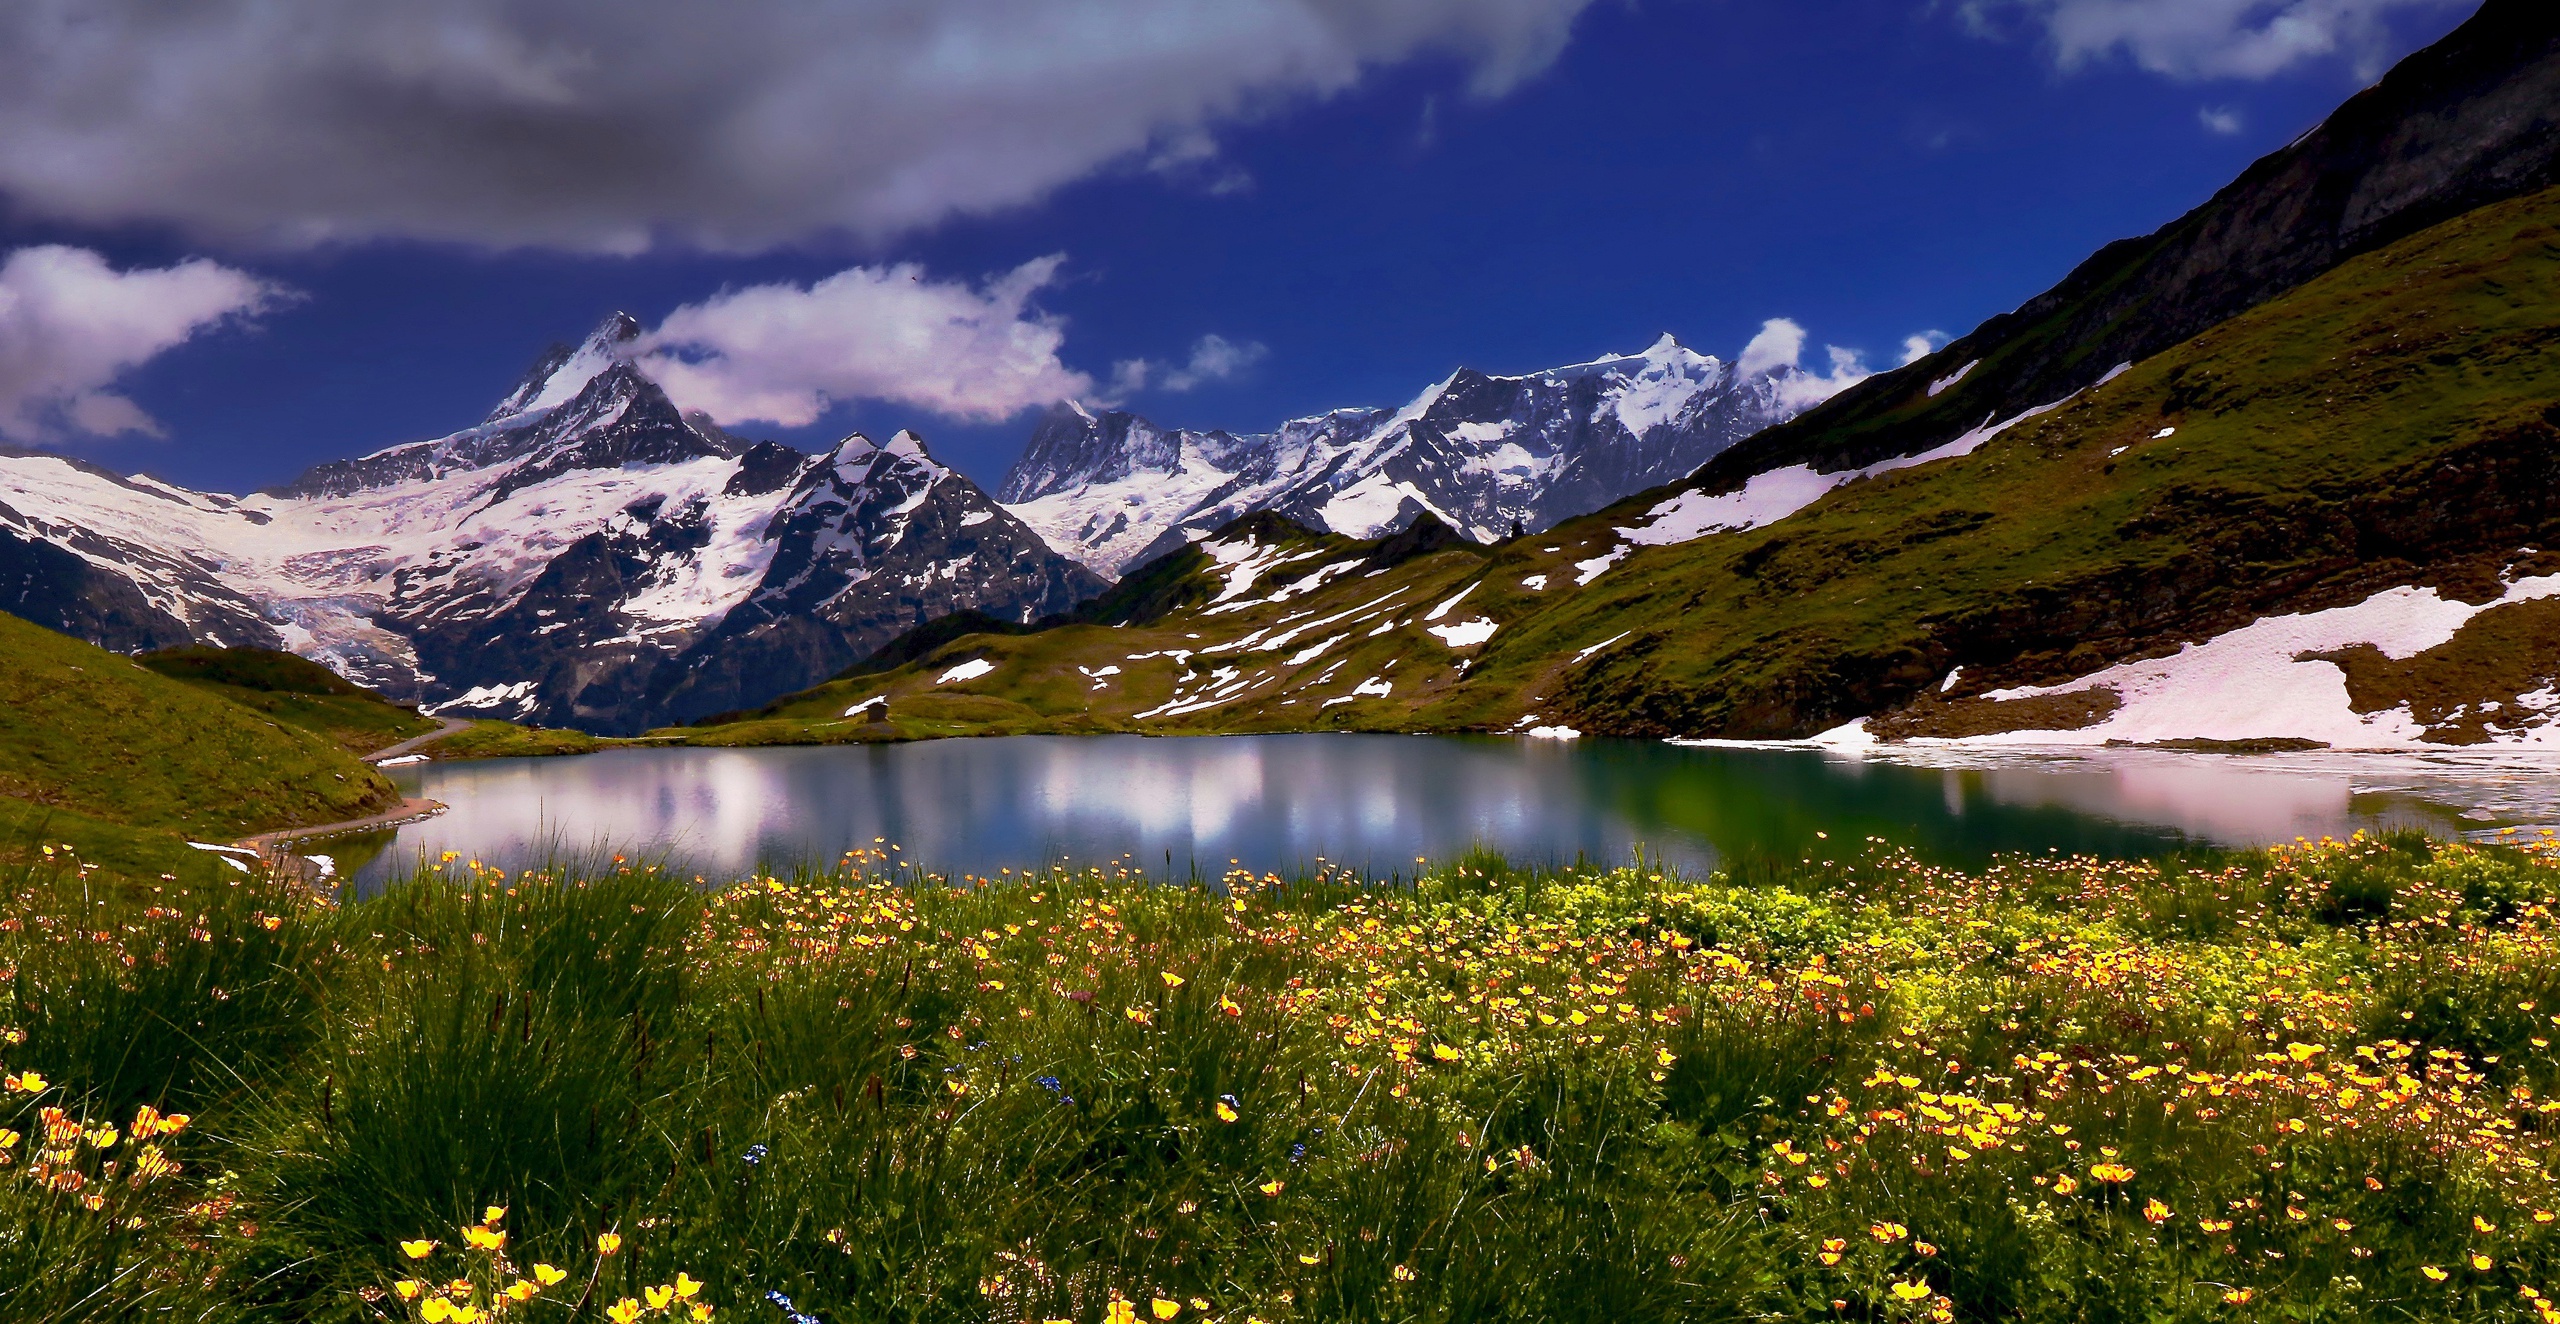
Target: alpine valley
x,y
2282,472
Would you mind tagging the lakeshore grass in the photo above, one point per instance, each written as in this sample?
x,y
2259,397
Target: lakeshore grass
x,y
2305,1083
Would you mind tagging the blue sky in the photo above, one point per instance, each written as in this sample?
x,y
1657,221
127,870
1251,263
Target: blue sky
x,y
1870,169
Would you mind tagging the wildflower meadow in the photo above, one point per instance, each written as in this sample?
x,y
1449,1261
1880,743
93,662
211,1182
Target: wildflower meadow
x,y
2309,1083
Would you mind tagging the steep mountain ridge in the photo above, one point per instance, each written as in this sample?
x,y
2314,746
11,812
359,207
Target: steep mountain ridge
x,y
569,560
2471,120
1481,453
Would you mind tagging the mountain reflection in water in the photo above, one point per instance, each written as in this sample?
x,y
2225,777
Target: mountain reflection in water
x,y
1278,803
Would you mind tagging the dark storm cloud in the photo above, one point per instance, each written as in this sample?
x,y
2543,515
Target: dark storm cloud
x,y
618,126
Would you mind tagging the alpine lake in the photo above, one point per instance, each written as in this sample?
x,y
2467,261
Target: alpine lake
x,y
1200,806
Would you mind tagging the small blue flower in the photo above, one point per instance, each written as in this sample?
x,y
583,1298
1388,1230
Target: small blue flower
x,y
754,1155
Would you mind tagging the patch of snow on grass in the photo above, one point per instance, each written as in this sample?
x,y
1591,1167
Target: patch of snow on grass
x,y
969,670
1779,493
1535,583
1465,634
1554,733
2249,684
1585,654
1586,571
875,701
1443,609
1314,651
1939,387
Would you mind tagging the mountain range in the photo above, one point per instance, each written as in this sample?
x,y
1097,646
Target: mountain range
x,y
1488,456
587,555
584,556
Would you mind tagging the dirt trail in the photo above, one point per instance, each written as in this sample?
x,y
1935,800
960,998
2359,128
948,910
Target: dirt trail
x,y
270,845
445,726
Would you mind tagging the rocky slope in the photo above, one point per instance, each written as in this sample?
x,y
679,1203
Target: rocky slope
x,y
1483,454
585,556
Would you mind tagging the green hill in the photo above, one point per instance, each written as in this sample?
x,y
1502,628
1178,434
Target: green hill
x,y
99,735
295,691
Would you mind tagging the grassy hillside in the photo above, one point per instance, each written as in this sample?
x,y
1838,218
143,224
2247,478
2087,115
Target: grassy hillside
x,y
2394,422
2390,423
1267,627
295,691
89,731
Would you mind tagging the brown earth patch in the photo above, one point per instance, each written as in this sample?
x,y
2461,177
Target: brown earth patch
x,y
1932,717
2463,691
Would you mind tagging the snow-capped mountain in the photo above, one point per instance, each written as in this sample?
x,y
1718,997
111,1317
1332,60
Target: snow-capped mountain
x,y
584,556
1481,452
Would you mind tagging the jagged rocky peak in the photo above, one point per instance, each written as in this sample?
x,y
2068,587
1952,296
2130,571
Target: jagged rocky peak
x,y
563,371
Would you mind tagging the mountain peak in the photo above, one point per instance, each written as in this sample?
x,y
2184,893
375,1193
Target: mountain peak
x,y
562,372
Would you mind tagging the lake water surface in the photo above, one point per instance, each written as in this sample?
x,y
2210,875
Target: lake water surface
x,y
1281,802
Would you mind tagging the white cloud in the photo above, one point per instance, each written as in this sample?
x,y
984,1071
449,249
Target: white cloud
x,y
1213,359
741,125
1921,345
784,355
1778,349
2224,120
2212,38
71,325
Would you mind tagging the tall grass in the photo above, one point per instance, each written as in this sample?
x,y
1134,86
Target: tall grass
x,y
2306,1082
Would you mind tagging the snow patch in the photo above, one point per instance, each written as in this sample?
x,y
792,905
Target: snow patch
x,y
1443,609
1586,571
2249,684
1585,654
1939,387
1465,634
521,694
969,670
1554,733
1775,494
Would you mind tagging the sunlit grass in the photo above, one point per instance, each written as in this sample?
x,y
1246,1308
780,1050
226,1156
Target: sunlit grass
x,y
2309,1082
